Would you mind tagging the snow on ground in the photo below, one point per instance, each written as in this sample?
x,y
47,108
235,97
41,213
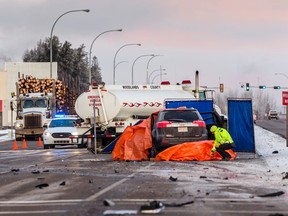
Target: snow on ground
x,y
269,146
272,149
5,135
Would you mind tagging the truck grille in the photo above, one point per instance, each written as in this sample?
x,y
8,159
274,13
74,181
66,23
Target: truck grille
x,y
32,121
61,135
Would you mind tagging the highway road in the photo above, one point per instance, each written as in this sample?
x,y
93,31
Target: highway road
x,y
274,125
71,181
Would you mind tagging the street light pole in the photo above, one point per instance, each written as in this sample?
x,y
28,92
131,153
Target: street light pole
x,y
282,74
161,69
51,35
114,66
147,81
160,74
120,63
90,51
134,64
286,111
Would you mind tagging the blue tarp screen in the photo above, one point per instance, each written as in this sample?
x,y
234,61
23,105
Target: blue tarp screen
x,y
240,121
201,105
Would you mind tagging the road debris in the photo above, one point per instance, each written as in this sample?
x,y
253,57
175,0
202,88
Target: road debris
x,y
278,193
107,202
178,204
40,186
15,170
35,171
63,183
173,179
154,207
285,175
275,152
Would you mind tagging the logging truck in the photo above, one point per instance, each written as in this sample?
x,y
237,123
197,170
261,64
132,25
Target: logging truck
x,y
34,104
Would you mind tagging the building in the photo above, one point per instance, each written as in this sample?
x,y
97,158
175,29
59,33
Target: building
x,y
8,79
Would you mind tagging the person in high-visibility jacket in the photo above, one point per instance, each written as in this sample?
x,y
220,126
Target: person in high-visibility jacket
x,y
223,142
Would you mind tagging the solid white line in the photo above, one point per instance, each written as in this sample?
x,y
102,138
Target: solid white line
x,y
96,195
32,212
40,201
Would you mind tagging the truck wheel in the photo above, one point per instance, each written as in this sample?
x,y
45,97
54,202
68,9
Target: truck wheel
x,y
18,138
81,145
153,152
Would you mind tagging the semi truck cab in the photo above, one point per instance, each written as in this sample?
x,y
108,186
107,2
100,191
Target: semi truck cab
x,y
33,114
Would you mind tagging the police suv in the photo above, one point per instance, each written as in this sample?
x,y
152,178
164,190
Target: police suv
x,y
60,131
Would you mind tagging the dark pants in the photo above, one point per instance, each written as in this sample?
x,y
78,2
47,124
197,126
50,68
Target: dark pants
x,y
222,150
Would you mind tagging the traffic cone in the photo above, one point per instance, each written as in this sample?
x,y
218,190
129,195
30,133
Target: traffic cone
x,y
24,145
39,142
15,146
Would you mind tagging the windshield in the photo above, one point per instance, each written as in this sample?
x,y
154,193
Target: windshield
x,y
40,103
62,123
34,103
28,104
184,115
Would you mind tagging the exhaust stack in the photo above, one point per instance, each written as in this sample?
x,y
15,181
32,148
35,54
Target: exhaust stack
x,y
197,84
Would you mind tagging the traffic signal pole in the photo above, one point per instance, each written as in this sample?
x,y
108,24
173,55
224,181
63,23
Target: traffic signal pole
x,y
286,126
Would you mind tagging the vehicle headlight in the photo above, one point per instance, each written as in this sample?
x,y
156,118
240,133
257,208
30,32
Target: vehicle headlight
x,y
75,133
18,126
46,133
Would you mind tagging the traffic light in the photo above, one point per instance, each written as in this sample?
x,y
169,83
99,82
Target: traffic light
x,y
221,87
277,87
247,87
262,86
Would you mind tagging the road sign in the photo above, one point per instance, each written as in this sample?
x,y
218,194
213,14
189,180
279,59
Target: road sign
x,y
285,97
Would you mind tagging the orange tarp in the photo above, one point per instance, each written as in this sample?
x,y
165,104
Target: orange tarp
x,y
136,140
199,151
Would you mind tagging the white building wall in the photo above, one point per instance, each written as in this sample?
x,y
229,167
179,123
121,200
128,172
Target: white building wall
x,y
9,78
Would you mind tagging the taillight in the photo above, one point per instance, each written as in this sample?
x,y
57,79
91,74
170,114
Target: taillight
x,y
199,123
163,124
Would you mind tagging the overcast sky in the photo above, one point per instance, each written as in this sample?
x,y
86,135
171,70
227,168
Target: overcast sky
x,y
227,41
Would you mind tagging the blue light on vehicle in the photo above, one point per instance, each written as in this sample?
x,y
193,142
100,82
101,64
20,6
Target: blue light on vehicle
x,y
59,115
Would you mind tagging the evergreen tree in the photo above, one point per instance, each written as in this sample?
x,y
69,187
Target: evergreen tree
x,y
73,66
95,71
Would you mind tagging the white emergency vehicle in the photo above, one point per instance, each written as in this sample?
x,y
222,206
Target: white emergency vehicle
x,y
61,130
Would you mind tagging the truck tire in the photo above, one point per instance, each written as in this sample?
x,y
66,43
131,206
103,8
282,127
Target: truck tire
x,y
18,138
81,145
46,146
153,152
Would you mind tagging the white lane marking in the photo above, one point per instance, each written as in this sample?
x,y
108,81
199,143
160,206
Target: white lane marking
x,y
37,202
6,189
32,212
94,196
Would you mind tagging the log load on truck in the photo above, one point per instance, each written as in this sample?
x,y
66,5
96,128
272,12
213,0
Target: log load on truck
x,y
119,106
35,104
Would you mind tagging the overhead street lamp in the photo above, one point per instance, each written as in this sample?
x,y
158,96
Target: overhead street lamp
x,y
161,69
51,35
114,66
134,64
90,51
120,63
282,74
158,76
147,80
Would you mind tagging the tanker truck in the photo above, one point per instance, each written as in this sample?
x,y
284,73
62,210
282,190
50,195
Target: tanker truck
x,y
114,107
